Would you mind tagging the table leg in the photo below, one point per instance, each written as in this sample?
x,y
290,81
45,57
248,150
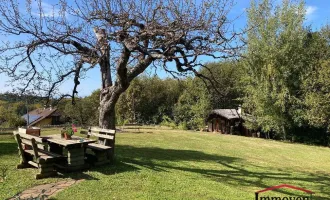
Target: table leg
x,y
76,158
55,148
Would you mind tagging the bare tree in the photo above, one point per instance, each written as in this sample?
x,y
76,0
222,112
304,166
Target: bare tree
x,y
122,38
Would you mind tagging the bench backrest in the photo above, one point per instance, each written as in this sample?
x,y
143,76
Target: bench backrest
x,y
105,136
30,131
36,143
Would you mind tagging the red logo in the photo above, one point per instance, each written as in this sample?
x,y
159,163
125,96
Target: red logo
x,y
310,193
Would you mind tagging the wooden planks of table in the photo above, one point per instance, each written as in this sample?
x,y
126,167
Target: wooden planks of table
x,y
74,150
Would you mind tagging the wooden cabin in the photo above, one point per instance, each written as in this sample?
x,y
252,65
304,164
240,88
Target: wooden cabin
x,y
43,117
229,121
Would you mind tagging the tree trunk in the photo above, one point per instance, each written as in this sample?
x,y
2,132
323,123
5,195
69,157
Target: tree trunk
x,y
109,94
108,100
284,132
107,117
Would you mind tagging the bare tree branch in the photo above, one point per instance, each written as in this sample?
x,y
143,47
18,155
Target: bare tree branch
x,y
121,37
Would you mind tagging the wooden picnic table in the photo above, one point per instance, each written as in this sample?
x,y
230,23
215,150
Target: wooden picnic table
x,y
74,150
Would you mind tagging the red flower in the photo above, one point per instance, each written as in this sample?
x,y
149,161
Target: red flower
x,y
74,128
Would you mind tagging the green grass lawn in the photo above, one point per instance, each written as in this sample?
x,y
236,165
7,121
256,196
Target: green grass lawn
x,y
172,164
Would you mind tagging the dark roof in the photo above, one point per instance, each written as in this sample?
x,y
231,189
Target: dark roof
x,y
39,114
32,118
226,113
231,114
57,113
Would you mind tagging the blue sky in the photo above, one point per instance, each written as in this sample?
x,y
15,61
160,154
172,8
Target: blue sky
x,y
317,14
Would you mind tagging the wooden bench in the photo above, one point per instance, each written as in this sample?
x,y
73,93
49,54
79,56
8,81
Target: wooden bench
x,y
104,148
35,131
37,156
28,132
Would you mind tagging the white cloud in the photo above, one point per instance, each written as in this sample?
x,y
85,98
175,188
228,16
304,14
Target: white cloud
x,y
310,10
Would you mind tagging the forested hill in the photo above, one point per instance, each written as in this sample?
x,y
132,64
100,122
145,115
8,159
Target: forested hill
x,y
12,97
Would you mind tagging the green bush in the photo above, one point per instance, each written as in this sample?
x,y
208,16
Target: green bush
x,y
183,126
167,121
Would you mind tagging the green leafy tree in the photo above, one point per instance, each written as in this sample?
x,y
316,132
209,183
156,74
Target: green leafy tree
x,y
317,96
10,114
199,96
316,85
193,105
275,63
84,111
226,89
122,38
148,99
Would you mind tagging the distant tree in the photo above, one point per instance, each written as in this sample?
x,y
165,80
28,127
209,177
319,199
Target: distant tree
x,y
317,98
121,37
91,104
199,97
186,101
276,61
10,116
148,99
227,89
193,105
84,112
316,83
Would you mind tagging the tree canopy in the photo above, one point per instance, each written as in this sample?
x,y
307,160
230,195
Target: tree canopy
x,y
121,37
283,63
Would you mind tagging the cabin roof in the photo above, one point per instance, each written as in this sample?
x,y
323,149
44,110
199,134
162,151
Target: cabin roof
x,y
226,113
39,114
230,114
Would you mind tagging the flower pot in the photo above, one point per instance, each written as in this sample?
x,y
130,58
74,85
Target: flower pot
x,y
67,136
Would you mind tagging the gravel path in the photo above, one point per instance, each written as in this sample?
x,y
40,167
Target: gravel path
x,y
49,189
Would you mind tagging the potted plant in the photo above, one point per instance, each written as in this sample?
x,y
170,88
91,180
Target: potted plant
x,y
67,133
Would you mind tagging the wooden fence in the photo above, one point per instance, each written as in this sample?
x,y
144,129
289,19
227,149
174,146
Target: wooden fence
x,y
10,130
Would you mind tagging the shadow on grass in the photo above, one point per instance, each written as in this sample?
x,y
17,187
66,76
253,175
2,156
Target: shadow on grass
x,y
131,158
7,148
160,154
6,133
233,171
77,176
